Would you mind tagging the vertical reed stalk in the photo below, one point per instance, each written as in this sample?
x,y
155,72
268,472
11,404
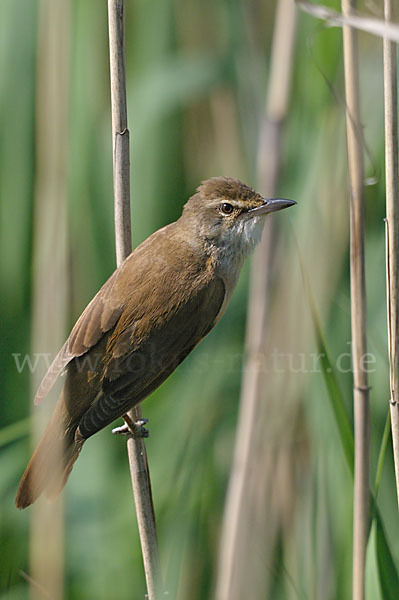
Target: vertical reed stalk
x,y
120,140
392,228
358,305
231,565
50,292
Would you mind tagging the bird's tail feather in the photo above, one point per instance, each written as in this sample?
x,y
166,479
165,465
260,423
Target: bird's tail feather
x,y
50,465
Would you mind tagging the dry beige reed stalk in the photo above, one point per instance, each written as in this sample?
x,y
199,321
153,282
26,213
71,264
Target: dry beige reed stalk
x,y
120,140
358,305
231,565
392,228
50,284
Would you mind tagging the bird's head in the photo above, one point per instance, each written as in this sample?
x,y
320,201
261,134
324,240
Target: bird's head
x,y
226,213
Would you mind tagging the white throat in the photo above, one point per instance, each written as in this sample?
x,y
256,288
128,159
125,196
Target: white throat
x,y
236,243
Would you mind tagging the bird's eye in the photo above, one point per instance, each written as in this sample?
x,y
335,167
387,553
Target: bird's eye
x,y
226,208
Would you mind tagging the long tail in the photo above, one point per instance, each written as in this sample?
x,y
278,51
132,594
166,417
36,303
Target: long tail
x,y
50,465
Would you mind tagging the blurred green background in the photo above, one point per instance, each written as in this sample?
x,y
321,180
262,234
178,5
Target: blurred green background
x,y
197,79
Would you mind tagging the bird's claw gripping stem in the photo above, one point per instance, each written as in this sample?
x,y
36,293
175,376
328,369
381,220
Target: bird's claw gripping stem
x,y
134,428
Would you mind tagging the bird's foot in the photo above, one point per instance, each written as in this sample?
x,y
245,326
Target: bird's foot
x,y
122,430
134,428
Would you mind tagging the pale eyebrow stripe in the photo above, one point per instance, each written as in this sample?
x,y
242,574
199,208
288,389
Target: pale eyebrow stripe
x,y
235,203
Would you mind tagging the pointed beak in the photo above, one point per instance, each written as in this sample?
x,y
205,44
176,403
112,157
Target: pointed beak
x,y
271,205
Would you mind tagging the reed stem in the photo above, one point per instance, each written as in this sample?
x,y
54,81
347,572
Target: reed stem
x,y
121,162
358,305
392,228
231,569
49,268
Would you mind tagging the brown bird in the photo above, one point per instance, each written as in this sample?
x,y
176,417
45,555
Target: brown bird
x,y
149,315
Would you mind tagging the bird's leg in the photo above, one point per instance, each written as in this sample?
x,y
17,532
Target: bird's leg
x,y
134,428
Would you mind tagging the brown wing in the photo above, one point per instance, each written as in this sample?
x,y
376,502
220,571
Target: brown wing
x,y
103,311
98,317
131,376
